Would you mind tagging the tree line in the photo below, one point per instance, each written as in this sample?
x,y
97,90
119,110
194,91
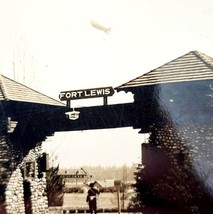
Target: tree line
x,y
102,173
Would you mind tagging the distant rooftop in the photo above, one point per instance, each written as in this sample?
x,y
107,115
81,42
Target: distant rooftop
x,y
189,67
11,90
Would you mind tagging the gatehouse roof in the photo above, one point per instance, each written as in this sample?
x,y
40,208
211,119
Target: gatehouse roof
x,y
189,67
11,90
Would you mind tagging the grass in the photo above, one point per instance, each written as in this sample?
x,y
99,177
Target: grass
x,y
105,200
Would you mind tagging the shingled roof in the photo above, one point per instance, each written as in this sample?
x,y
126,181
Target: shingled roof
x,y
189,67
11,90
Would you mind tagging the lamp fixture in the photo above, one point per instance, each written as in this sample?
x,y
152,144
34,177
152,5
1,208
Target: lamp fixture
x,y
73,115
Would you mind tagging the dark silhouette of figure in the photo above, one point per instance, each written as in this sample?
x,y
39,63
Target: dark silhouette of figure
x,y
92,198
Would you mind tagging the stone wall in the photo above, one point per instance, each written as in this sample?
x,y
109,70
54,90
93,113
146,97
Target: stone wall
x,y
178,162
9,159
190,145
13,175
39,202
15,193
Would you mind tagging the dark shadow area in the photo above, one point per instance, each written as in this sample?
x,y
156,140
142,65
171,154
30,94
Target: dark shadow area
x,y
27,197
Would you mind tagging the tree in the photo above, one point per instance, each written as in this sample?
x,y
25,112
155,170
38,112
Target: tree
x,y
55,186
145,195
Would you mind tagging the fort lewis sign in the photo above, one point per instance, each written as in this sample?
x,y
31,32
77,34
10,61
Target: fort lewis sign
x,y
87,93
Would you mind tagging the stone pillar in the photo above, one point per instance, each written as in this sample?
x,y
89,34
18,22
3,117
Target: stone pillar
x,y
178,161
6,160
15,190
37,185
15,193
38,200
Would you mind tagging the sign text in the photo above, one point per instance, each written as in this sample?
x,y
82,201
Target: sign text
x,y
86,93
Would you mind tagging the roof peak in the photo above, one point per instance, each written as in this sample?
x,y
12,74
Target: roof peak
x,y
191,66
15,91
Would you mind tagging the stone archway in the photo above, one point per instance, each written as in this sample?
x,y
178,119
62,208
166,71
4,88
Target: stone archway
x,y
179,92
26,192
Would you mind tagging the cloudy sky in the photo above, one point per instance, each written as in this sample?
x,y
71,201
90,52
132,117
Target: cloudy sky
x,y
51,46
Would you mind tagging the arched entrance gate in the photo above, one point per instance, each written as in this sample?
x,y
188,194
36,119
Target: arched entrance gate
x,y
173,103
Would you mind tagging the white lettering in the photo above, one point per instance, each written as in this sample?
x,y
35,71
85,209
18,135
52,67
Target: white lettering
x,y
107,91
61,95
74,94
68,95
99,91
93,92
80,93
86,93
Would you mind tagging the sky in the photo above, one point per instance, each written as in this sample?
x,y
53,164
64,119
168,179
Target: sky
x,y
51,46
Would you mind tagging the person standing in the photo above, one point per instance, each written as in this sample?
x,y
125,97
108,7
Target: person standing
x,y
92,198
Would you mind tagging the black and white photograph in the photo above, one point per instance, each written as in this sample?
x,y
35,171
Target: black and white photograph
x,y
106,106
